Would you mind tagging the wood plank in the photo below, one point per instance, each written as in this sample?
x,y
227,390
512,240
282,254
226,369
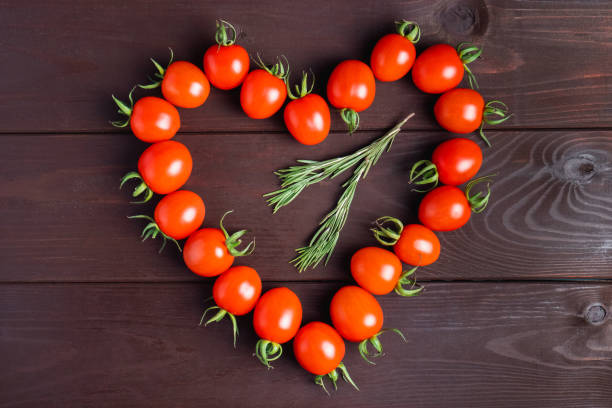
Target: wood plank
x,y
469,345
547,62
63,217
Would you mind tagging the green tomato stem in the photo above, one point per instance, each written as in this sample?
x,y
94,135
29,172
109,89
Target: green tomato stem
x,y
387,236
151,230
424,172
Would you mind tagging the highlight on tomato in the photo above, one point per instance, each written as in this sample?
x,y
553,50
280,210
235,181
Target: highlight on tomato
x,y
176,216
447,208
307,116
441,67
453,162
235,292
358,317
226,64
182,83
277,318
319,349
464,110
394,54
151,119
351,88
264,90
380,271
163,168
209,252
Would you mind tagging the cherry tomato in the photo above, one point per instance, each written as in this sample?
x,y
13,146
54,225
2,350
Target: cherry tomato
x,y
376,270
210,251
165,166
351,87
179,214
318,348
226,64
278,315
237,290
417,245
441,67
262,94
394,54
185,85
460,110
308,119
356,314
444,208
457,160
154,119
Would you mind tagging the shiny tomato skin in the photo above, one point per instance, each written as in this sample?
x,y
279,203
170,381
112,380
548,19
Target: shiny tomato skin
x,y
459,110
278,315
226,66
417,245
376,269
179,214
392,57
355,313
154,119
262,94
185,85
444,208
318,348
457,160
237,290
351,85
165,166
308,119
437,69
206,254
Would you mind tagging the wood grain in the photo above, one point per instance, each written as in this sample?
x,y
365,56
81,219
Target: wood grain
x,y
549,63
469,345
63,217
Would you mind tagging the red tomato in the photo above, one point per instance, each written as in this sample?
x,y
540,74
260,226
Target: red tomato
x,y
444,208
460,110
394,54
308,119
153,119
262,94
179,214
185,85
440,67
376,270
226,64
356,314
278,315
165,166
417,245
457,160
318,348
237,290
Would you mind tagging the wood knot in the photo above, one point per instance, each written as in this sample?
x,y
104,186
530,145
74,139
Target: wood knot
x,y
579,169
465,17
596,314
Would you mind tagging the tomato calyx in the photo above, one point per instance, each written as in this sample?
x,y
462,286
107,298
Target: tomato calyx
x,y
151,230
409,30
233,241
303,88
139,189
279,69
222,37
124,109
407,278
497,109
375,342
161,72
351,118
221,313
387,235
266,351
334,376
469,53
478,202
422,173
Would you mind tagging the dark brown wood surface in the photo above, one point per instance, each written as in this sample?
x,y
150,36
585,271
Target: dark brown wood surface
x,y
515,312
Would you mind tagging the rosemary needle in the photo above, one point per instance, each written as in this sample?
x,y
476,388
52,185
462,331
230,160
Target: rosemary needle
x,y
296,178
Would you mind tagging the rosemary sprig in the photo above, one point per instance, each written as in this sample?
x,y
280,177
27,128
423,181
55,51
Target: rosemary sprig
x,y
296,178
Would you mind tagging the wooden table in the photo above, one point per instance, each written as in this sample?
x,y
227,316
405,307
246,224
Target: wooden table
x,y
516,310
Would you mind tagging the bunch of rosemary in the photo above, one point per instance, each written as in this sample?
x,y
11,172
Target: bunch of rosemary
x,y
296,178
